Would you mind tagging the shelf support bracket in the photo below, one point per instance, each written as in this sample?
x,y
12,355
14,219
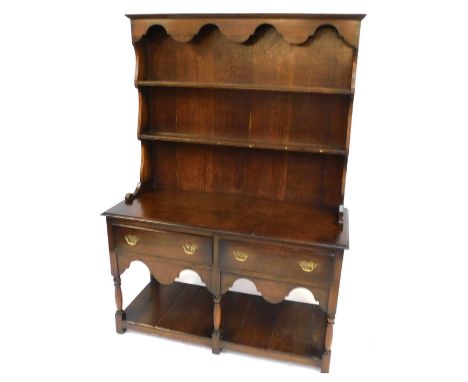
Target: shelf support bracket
x,y
139,189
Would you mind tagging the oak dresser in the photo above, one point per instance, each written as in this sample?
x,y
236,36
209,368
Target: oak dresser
x,y
244,123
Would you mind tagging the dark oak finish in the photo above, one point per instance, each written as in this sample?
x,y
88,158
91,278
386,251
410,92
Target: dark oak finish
x,y
237,215
189,248
244,123
279,262
253,117
233,86
177,308
233,142
288,327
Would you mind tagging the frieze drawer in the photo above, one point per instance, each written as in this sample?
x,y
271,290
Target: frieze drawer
x,y
172,245
285,262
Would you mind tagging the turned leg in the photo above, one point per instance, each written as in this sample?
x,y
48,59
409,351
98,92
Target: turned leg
x,y
328,341
119,314
216,336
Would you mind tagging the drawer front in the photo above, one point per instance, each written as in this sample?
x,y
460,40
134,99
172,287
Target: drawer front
x,y
288,263
171,245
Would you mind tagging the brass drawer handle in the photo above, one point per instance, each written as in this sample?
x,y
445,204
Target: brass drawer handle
x,y
241,256
308,266
190,249
131,239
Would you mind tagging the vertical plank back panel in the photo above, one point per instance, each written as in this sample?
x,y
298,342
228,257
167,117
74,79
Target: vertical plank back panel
x,y
266,58
269,174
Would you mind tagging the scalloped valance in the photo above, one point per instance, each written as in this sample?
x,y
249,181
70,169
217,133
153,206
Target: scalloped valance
x,y
294,30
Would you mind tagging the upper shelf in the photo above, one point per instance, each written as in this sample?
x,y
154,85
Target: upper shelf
x,y
245,143
252,87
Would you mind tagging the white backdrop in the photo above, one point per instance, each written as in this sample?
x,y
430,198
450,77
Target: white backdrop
x,y
69,151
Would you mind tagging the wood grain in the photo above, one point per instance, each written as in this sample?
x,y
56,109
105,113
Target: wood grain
x,y
266,174
235,215
267,59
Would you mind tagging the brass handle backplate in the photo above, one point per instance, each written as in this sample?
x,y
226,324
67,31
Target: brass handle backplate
x,y
240,256
131,239
308,266
190,249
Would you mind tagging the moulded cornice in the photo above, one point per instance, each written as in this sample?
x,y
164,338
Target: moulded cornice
x,y
294,30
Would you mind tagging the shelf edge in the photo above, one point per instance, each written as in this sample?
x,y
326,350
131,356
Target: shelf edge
x,y
245,144
246,87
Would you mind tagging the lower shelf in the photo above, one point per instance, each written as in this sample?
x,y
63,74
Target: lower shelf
x,y
288,327
175,310
288,330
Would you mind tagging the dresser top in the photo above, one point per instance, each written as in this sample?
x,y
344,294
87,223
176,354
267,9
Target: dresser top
x,y
247,16
236,215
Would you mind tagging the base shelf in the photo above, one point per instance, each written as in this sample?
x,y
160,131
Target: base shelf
x,y
288,330
175,310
